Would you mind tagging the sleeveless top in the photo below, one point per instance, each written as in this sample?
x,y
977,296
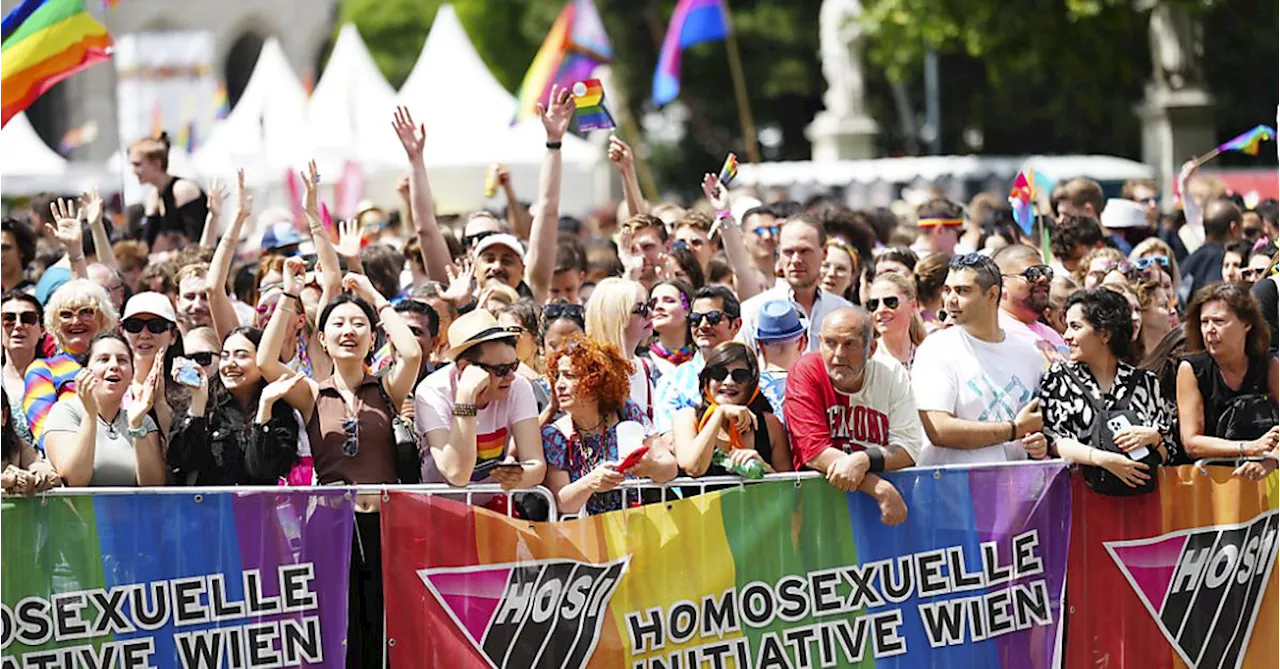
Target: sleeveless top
x,y
1216,393
374,457
187,219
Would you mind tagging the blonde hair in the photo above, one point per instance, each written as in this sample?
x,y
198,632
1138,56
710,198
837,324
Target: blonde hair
x,y
154,148
915,330
1106,252
74,294
609,312
206,333
1159,246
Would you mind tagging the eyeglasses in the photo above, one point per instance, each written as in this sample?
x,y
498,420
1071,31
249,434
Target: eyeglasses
x,y
719,373
767,230
351,445
515,329
1143,263
83,313
202,358
152,325
641,310
1035,273
971,261
712,318
499,371
891,302
472,240
25,317
558,309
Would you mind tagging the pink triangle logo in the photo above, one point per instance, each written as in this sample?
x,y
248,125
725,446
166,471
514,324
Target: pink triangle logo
x,y
470,596
1149,567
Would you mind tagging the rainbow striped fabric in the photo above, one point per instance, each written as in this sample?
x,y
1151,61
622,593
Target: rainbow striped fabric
x,y
576,44
591,112
44,42
1250,142
693,22
729,171
48,380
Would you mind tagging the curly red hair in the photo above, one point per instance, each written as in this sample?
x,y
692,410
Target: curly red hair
x,y
601,370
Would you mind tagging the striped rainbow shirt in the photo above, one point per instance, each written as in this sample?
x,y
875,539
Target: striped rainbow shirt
x,y
47,381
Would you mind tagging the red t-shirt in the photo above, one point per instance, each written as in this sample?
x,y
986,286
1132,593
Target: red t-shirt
x,y
820,417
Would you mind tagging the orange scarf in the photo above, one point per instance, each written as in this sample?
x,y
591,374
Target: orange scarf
x,y
735,438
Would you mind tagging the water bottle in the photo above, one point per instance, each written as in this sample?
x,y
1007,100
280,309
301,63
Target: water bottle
x,y
753,470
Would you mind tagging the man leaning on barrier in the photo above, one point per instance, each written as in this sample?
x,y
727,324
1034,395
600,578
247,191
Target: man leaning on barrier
x,y
851,416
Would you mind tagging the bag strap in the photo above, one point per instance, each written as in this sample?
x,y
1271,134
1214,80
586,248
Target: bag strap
x,y
1094,401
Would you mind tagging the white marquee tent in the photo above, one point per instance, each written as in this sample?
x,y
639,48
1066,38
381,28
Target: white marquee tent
x,y
468,115
28,166
351,109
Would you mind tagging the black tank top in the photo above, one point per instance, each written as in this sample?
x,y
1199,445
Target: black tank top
x,y
187,219
1215,392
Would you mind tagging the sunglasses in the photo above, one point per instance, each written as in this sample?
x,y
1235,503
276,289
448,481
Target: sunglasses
x,y
767,230
641,310
515,329
1249,274
1124,267
891,302
713,318
472,240
1143,263
499,371
351,444
558,309
83,313
152,325
26,317
1035,273
202,358
718,374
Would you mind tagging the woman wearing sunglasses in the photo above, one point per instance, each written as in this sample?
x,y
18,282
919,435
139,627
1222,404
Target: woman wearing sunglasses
x,y
237,431
618,314
670,312
20,339
892,305
591,384
92,439
1155,258
1099,263
203,346
77,311
150,326
733,417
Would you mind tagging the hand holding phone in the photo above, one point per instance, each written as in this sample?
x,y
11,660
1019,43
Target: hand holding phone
x,y
633,458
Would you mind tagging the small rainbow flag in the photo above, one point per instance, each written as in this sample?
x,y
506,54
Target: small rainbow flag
x,y
730,170
1250,142
591,112
78,137
187,137
574,46
44,42
220,106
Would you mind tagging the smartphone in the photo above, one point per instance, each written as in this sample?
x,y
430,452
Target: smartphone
x,y
631,460
188,372
1120,422
512,466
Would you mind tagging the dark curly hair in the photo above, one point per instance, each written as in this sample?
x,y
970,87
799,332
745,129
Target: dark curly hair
x,y
1243,304
1073,230
23,236
602,372
1107,311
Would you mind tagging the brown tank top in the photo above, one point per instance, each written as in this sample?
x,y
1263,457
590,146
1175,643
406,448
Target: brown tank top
x,y
374,461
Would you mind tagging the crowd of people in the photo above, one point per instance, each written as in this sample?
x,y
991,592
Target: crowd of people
x,y
741,335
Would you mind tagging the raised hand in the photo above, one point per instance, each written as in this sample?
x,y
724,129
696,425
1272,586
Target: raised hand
x,y
217,192
504,176
295,271
91,204
460,275
310,185
558,112
402,187
630,261
280,387
620,155
715,192
244,201
361,287
348,238
412,137
146,397
86,384
67,228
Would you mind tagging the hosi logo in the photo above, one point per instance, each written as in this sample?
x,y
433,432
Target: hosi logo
x,y
544,614
1204,586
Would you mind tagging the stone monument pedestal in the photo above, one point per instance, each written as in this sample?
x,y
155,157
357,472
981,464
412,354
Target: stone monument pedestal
x,y
1176,127
836,138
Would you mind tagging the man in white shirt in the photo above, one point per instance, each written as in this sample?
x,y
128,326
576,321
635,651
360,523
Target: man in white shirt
x,y
1025,296
802,246
976,387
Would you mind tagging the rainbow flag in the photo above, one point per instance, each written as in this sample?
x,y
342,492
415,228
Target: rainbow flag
x,y
574,47
271,560
78,137
42,43
591,112
729,171
738,572
220,105
693,22
1250,142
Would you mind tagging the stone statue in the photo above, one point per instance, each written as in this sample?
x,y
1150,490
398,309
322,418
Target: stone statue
x,y
840,40
1177,46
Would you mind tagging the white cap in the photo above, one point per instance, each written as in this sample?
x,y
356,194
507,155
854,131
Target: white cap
x,y
1120,213
150,303
501,239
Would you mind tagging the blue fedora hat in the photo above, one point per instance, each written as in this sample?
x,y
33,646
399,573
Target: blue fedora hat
x,y
779,321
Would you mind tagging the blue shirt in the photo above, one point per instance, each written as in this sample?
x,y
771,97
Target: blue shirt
x,y
677,390
773,385
51,280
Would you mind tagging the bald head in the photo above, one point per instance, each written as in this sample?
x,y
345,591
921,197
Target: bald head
x,y
1014,257
845,346
850,321
1222,220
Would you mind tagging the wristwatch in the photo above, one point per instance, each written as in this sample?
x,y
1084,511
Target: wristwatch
x,y
137,433
465,409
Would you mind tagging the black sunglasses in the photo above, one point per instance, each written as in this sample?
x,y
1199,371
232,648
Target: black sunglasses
x,y
202,358
472,240
499,371
558,309
351,445
641,310
27,318
1035,273
891,302
152,325
1249,274
719,373
713,318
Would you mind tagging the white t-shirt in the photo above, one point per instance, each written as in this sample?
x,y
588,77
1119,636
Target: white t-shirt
x,y
114,462
433,410
975,380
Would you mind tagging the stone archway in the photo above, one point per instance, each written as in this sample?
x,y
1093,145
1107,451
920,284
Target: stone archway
x,y
241,59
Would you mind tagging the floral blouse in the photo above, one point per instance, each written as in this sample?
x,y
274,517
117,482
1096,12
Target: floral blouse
x,y
579,454
1068,414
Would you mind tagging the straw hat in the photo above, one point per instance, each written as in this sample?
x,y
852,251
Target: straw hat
x,y
474,328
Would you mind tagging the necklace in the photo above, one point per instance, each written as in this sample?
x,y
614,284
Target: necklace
x,y
683,354
112,432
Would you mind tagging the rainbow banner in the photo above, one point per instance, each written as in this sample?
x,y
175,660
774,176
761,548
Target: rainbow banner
x,y
1178,578
251,579
44,42
777,574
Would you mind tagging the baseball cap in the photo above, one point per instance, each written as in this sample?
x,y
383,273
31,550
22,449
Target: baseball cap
x,y
501,239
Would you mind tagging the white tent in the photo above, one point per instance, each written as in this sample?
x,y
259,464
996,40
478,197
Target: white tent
x,y
468,115
351,110
266,133
27,164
